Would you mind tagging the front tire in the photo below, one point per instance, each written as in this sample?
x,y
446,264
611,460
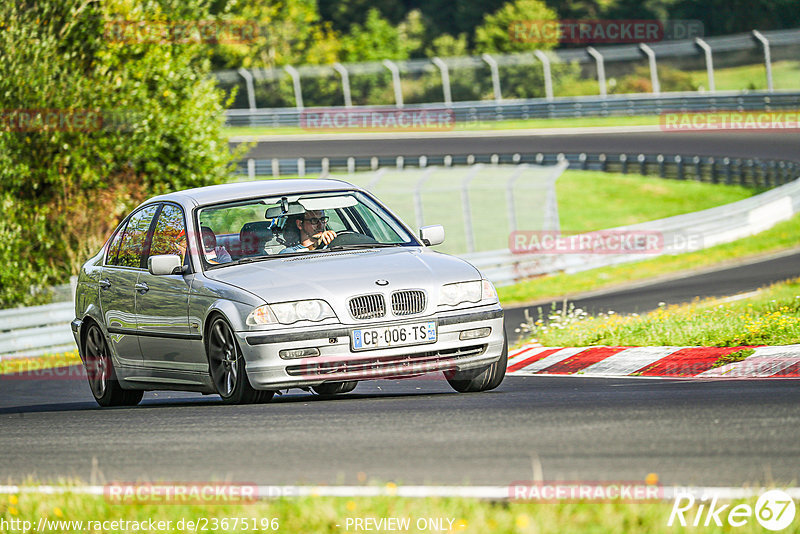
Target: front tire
x,y
329,389
482,378
227,368
100,371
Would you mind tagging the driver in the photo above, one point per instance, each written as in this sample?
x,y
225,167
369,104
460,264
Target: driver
x,y
312,232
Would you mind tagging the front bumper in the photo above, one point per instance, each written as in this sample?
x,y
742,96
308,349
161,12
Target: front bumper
x,y
337,362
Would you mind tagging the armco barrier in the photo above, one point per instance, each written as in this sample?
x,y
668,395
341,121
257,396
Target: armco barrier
x,y
682,233
36,330
753,172
586,106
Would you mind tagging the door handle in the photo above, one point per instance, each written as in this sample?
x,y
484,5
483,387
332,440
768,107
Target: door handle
x,y
104,283
142,288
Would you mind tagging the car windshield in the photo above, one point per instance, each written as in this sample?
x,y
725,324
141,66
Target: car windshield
x,y
246,230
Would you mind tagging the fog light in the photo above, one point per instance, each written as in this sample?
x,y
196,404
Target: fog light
x,y
475,333
291,354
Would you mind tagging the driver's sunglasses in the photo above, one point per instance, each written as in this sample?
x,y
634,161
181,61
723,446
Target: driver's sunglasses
x,y
318,220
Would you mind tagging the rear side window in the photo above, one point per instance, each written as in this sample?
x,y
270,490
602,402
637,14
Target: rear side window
x,y
134,239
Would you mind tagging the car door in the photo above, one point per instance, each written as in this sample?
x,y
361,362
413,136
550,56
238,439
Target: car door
x,y
119,276
162,302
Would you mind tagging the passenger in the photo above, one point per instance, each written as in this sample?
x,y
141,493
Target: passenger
x,y
214,254
312,232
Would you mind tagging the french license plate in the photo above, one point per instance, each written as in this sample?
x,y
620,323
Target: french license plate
x,y
393,336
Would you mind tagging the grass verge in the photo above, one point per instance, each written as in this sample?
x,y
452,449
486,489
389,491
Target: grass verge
x,y
331,515
783,236
771,317
48,361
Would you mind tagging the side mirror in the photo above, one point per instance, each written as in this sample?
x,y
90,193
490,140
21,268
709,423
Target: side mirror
x,y
432,235
165,264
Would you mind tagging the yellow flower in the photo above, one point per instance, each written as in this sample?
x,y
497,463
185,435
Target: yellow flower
x,y
57,511
351,505
523,521
13,499
12,510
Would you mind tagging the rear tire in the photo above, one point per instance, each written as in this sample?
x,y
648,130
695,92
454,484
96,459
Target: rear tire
x,y
100,371
482,378
227,368
329,389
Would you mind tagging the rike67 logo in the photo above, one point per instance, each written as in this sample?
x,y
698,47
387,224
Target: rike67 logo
x,y
774,510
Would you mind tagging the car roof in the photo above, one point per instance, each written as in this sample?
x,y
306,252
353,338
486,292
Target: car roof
x,y
222,192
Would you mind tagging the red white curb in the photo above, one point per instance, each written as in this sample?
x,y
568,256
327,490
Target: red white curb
x,y
654,362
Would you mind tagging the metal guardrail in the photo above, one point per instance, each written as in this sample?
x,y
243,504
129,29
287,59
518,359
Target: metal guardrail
x,y
36,330
752,172
585,106
682,233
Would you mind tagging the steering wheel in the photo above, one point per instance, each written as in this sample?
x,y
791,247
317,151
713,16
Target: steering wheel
x,y
349,237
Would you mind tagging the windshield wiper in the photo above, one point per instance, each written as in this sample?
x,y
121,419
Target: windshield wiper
x,y
356,246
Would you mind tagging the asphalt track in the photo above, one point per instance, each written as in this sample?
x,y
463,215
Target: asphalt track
x,y
725,432
766,145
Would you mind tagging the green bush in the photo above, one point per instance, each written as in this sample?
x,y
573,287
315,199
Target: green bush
x,y
156,127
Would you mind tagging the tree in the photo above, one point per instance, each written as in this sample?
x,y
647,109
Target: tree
x,y
514,27
94,122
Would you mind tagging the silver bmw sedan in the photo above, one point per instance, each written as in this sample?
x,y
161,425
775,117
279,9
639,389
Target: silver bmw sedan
x,y
246,289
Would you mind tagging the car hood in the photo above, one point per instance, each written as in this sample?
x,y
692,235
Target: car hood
x,y
336,276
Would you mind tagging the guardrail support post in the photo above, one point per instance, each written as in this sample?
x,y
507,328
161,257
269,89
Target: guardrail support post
x,y
679,167
495,76
651,58
548,78
623,160
248,83
662,171
398,90
445,80
642,164
713,168
298,92
251,168
709,63
338,67
767,57
728,173
601,69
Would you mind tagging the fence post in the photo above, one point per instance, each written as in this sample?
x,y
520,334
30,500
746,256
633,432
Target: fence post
x,y
473,172
651,59
495,76
398,90
709,63
728,174
767,57
510,208
623,160
679,167
301,167
248,83
642,164
338,67
351,165
418,197
662,171
251,168
602,158
582,158
698,170
445,80
276,167
714,176
298,92
548,78
601,69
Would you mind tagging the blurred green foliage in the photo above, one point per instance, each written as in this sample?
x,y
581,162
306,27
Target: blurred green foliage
x,y
154,125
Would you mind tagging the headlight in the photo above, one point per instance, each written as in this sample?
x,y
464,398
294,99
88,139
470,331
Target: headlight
x,y
455,294
477,291
291,312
